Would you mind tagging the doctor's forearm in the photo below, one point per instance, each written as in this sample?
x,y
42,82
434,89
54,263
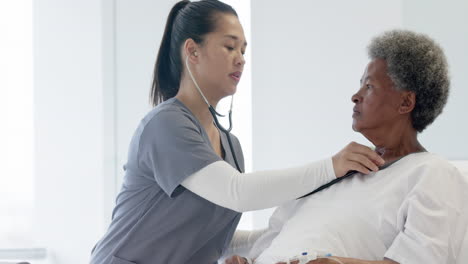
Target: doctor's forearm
x,y
223,185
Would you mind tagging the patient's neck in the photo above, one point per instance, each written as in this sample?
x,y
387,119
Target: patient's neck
x,y
395,143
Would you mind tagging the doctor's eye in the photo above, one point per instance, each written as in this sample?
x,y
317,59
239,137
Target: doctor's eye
x,y
229,48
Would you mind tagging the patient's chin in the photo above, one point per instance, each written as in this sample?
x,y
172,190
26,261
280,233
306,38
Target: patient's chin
x,y
356,127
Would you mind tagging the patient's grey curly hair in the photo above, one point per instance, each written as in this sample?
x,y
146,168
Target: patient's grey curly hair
x,y
415,63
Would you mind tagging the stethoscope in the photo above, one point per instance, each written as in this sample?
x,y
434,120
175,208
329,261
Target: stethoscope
x,y
214,113
347,175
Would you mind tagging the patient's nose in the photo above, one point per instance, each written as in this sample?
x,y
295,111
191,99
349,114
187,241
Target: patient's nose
x,y
356,98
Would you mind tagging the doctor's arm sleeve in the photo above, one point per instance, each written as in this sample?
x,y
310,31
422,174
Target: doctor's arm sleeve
x,y
223,185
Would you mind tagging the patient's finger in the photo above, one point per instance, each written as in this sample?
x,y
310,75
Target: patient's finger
x,y
240,260
235,260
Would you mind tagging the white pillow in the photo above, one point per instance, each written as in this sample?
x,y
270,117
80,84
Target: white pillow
x,y
462,165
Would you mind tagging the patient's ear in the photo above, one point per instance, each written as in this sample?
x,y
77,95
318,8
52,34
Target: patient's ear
x,y
407,102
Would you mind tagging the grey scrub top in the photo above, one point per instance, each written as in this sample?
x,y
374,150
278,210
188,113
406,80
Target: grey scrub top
x,y
156,220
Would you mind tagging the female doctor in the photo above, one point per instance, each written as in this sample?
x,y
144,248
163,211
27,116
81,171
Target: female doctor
x,y
184,188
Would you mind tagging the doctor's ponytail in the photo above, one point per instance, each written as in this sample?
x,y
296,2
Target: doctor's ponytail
x,y
186,20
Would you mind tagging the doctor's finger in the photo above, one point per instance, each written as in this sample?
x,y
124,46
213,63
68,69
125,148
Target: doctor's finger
x,y
366,151
358,167
363,161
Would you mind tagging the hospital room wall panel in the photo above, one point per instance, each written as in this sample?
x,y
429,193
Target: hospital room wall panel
x,y
446,22
68,127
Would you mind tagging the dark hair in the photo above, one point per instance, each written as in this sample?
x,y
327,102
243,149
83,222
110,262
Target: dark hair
x,y
186,20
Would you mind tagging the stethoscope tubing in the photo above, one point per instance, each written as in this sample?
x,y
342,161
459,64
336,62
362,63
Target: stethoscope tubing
x,y
226,132
215,118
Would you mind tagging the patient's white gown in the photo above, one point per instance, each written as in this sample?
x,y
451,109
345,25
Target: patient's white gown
x,y
414,211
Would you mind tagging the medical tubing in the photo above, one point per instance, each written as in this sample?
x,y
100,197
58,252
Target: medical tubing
x,y
223,185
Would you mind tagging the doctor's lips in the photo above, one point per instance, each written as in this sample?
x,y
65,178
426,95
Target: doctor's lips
x,y
236,75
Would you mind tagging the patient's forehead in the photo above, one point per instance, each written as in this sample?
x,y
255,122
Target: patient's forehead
x,y
377,71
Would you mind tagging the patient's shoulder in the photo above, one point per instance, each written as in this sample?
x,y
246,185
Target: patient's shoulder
x,y
431,167
428,160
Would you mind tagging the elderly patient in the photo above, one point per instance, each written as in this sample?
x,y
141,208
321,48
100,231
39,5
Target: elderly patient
x,y
415,210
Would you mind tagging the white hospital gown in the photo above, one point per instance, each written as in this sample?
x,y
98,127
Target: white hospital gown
x,y
413,212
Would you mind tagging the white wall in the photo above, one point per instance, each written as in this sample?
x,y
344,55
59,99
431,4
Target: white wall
x,y
139,26
307,59
68,114
446,22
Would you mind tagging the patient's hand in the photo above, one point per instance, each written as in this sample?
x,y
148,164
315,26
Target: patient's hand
x,y
236,260
317,261
336,260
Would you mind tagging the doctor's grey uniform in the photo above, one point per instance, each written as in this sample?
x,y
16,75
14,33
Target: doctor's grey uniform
x,y
156,220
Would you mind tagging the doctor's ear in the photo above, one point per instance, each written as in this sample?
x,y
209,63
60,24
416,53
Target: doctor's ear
x,y
408,102
190,49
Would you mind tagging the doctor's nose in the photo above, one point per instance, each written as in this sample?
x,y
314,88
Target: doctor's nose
x,y
240,60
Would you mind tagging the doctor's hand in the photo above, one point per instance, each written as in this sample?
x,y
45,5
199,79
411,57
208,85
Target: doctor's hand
x,y
356,157
236,260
